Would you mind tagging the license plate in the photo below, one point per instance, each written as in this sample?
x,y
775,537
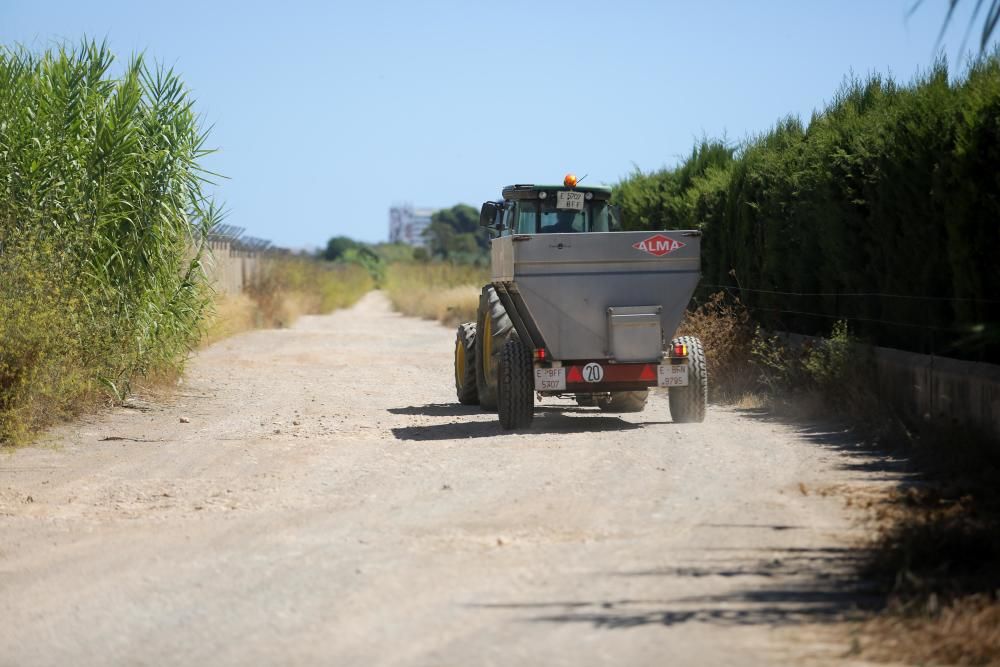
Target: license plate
x,y
550,379
569,200
670,375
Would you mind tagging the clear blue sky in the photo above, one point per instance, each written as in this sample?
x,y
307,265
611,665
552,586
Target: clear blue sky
x,y
327,113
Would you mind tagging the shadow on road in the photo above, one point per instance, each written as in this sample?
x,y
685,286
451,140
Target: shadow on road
x,y
864,456
437,410
457,409
817,588
548,419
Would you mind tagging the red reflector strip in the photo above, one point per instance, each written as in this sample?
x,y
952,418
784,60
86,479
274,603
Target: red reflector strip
x,y
615,373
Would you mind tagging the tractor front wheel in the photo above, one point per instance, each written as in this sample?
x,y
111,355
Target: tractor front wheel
x,y
465,364
493,329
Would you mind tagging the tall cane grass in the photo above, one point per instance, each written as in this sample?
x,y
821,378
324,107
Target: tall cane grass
x,y
102,221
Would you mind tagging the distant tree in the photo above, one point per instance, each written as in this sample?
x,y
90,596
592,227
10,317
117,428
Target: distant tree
x,y
454,234
337,246
462,218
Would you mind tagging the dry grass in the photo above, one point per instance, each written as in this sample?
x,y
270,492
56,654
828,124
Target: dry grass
x,y
230,314
285,289
750,401
727,332
937,551
936,545
288,287
964,631
450,306
444,292
934,552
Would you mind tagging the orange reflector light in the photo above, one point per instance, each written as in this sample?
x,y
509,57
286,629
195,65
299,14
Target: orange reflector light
x,y
680,350
540,354
570,181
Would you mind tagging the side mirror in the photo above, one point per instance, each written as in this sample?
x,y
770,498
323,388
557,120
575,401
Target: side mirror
x,y
488,214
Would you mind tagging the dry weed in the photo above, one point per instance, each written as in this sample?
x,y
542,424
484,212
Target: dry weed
x,y
964,631
288,287
230,314
937,555
751,401
444,292
449,306
727,332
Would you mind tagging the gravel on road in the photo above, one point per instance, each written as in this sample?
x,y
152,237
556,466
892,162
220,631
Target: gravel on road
x,y
316,495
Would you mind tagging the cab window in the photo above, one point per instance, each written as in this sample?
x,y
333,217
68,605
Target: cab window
x,y
542,217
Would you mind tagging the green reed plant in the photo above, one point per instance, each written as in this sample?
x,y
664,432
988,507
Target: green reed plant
x,y
102,220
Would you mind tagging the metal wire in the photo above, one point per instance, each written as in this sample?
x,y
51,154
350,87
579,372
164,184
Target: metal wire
x,y
881,295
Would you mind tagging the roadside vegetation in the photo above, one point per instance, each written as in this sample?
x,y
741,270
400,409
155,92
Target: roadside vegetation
x,y
440,281
285,288
448,293
880,210
102,217
935,550
873,223
103,222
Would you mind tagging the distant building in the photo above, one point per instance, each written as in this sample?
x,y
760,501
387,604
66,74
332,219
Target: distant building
x,y
407,225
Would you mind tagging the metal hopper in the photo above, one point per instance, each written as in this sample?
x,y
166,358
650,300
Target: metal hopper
x,y
615,296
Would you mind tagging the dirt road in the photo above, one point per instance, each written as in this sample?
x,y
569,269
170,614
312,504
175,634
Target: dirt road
x,y
328,502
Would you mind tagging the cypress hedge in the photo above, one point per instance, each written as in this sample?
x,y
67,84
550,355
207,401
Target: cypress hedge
x,y
883,210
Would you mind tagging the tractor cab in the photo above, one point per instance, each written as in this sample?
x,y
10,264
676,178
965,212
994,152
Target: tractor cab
x,y
551,209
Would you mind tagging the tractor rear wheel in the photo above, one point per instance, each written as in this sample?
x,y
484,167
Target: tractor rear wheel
x,y
688,404
515,386
465,364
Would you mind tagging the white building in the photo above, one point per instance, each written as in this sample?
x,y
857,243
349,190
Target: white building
x,y
407,224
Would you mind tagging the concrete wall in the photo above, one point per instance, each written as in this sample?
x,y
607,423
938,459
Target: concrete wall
x,y
231,269
939,389
934,389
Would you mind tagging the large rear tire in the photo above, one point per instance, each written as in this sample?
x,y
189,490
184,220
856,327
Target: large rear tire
x,y
623,401
465,364
492,331
516,386
688,404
